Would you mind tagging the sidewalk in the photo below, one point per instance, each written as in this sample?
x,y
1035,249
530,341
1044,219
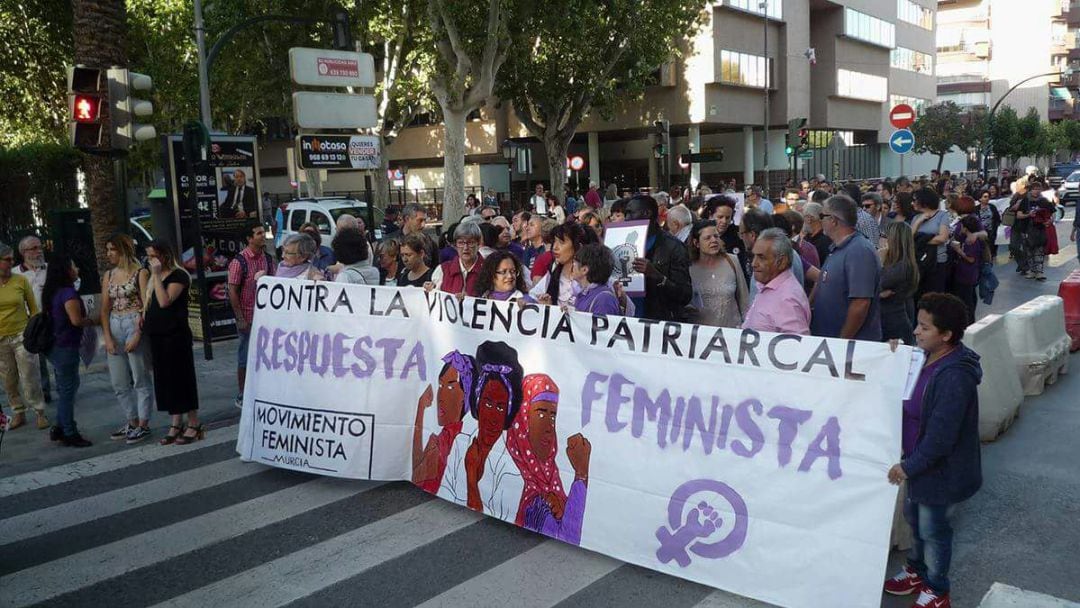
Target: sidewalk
x,y
98,414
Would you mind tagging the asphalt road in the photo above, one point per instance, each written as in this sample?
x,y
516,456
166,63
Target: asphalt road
x,y
193,526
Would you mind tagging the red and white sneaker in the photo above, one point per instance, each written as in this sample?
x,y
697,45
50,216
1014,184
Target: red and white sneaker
x,y
928,598
905,582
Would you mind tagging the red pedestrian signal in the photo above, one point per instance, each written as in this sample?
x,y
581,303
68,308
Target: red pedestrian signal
x,y
86,108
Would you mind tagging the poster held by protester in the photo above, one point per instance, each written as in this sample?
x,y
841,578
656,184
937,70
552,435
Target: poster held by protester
x,y
626,240
728,457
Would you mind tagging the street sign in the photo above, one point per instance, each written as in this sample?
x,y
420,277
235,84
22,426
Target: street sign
x,y
338,152
333,110
327,68
902,141
902,116
576,163
806,154
702,157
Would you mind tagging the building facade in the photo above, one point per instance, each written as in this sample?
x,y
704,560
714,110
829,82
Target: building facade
x,y
840,64
986,47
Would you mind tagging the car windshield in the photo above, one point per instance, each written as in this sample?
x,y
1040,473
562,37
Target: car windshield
x,y
1073,177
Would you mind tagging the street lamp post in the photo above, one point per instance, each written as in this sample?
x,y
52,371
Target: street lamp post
x,y
510,152
764,6
988,138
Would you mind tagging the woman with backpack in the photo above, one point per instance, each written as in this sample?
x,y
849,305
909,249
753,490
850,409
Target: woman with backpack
x,y
931,227
123,292
68,315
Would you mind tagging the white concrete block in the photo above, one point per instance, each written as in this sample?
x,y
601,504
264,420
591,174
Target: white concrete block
x,y
1007,596
1000,393
1040,346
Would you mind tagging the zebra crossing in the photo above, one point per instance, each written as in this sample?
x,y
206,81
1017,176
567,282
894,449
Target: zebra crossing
x,y
194,526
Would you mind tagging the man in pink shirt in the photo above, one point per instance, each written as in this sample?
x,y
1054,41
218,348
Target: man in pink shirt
x,y
780,305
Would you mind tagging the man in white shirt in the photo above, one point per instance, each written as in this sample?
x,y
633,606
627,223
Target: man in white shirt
x,y
679,223
538,201
33,268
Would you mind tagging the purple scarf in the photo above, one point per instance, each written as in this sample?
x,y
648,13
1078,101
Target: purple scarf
x,y
286,271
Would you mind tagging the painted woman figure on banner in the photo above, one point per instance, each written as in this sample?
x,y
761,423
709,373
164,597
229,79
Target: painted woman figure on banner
x,y
533,444
455,383
496,399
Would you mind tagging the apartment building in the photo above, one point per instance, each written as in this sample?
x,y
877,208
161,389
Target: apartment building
x,y
841,64
986,47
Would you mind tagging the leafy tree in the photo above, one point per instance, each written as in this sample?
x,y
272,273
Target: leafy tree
x,y
38,41
939,129
1031,142
471,39
573,57
1067,136
1005,134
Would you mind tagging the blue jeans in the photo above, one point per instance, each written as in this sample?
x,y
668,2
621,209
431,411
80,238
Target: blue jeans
x,y
129,372
242,348
931,549
65,362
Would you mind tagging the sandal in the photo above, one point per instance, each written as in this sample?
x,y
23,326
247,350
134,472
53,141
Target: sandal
x,y
170,437
200,433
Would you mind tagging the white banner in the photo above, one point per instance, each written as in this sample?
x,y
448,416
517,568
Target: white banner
x,y
747,461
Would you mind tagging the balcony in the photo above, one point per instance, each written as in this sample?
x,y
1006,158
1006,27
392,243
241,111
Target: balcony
x,y
1074,55
1072,18
1060,109
1071,80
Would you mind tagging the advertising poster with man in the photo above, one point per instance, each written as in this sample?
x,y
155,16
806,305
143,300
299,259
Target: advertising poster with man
x,y
228,196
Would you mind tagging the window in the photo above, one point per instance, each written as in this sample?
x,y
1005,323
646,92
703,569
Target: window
x,y
907,59
297,219
869,29
966,100
745,69
321,221
912,13
774,7
858,85
915,102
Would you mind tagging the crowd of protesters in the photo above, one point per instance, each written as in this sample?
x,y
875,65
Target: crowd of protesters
x,y
904,261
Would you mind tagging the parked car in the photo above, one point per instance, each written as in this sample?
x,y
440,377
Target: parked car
x,y
324,213
1059,172
1070,188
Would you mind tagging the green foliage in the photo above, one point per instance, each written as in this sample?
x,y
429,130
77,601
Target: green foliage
x,y
1030,135
37,37
939,129
1005,133
36,178
1066,136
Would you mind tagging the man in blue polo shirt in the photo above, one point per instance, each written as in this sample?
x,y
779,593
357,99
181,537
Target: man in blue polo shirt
x,y
845,303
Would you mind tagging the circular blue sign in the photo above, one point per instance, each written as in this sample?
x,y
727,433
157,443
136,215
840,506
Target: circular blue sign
x,y
902,141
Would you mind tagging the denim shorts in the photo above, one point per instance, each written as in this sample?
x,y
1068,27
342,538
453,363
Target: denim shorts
x,y
242,350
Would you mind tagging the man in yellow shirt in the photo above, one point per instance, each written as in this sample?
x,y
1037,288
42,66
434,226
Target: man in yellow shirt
x,y
18,367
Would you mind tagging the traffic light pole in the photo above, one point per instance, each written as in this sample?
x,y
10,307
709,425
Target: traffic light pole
x,y
204,68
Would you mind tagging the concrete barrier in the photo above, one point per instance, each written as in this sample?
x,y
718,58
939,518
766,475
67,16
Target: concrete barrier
x,y
1040,346
1000,393
1069,290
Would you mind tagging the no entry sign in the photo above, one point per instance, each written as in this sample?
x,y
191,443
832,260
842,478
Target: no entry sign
x,y
902,116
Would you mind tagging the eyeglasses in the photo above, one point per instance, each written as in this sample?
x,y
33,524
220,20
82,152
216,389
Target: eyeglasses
x,y
465,244
512,272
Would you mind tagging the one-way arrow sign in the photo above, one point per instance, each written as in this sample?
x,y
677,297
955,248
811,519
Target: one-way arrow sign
x,y
902,141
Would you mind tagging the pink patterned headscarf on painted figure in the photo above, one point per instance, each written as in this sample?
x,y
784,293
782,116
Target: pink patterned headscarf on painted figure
x,y
540,476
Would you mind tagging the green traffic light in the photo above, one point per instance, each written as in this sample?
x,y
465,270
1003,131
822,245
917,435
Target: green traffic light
x,y
789,150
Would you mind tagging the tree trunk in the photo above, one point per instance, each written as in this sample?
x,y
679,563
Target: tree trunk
x,y
99,28
556,148
382,182
453,200
940,161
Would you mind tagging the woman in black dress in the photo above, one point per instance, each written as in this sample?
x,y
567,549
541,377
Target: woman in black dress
x,y
166,323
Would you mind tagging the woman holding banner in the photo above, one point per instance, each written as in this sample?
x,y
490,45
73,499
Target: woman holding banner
x,y
502,278
940,440
460,274
532,443
494,402
455,384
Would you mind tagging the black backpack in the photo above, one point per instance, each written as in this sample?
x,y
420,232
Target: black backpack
x,y
925,253
38,336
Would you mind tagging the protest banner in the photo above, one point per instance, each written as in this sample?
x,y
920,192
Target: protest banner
x,y
751,462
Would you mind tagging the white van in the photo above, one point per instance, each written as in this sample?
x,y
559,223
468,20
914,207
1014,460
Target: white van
x,y
324,213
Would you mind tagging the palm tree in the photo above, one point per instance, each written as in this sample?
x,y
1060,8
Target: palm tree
x,y
100,27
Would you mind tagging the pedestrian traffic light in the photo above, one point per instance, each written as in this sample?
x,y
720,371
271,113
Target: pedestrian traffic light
x,y
343,40
123,108
86,93
796,136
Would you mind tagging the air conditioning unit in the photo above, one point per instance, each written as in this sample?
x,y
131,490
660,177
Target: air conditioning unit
x,y
981,49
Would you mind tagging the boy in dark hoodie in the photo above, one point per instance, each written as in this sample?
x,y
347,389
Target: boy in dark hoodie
x,y
941,464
